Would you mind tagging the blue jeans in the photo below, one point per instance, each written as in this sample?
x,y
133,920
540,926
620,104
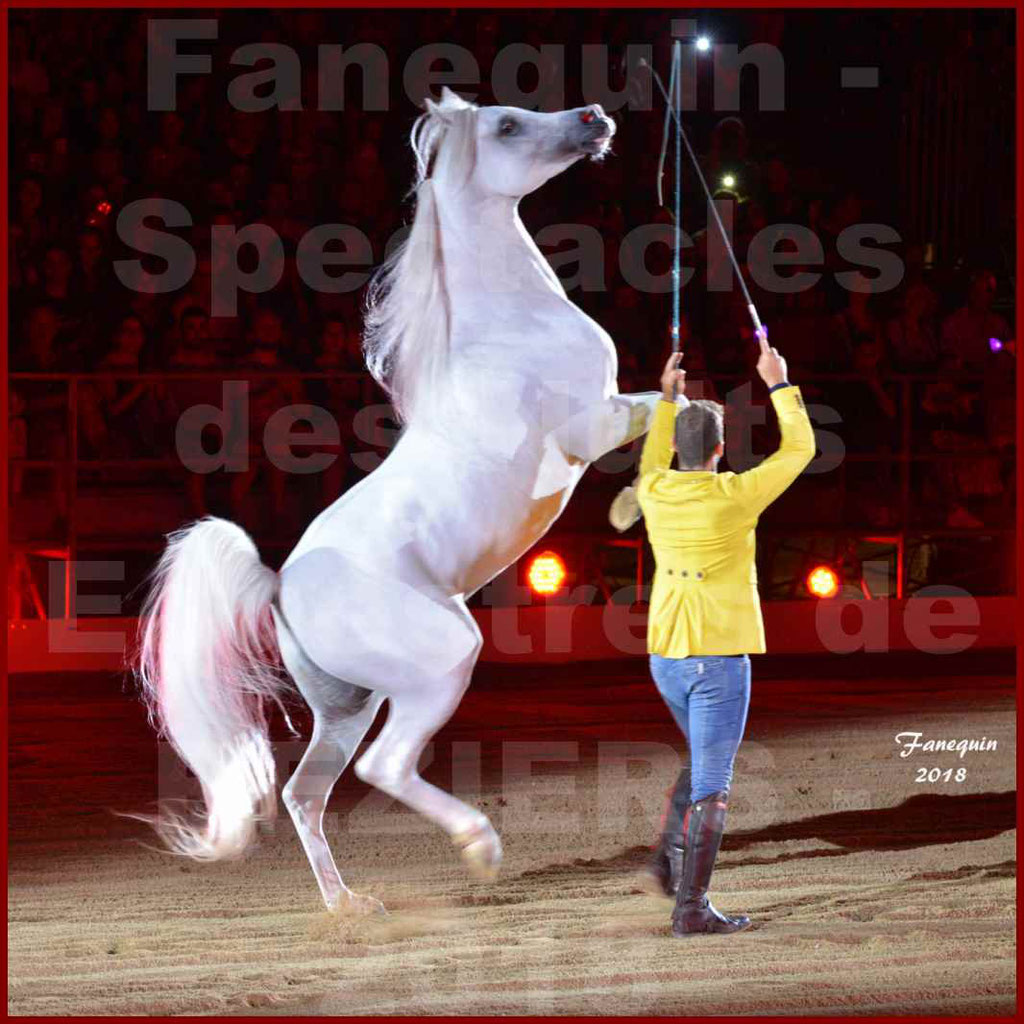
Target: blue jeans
x,y
708,697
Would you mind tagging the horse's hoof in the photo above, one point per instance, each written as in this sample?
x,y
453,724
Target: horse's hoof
x,y
481,851
357,905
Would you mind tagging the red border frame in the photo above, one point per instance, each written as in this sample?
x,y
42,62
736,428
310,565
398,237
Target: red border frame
x,y
511,4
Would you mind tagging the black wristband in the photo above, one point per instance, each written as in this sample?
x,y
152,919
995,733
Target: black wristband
x,y
775,387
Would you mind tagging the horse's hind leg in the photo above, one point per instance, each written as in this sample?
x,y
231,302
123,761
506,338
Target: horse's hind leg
x,y
416,712
306,794
342,715
410,641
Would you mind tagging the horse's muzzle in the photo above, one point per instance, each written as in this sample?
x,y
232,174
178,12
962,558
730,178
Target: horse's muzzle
x,y
595,130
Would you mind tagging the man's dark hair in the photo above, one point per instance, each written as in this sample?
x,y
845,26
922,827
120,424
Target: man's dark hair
x,y
700,428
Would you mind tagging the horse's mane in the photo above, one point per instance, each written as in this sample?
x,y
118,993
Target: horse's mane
x,y
407,311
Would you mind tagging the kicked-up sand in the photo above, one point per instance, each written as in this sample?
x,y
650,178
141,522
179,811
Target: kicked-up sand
x,y
871,892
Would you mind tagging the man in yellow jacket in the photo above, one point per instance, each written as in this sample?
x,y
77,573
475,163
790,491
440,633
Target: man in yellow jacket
x,y
705,614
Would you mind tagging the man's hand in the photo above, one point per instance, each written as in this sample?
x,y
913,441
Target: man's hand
x,y
770,365
673,380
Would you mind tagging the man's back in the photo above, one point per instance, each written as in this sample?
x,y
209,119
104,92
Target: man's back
x,y
701,526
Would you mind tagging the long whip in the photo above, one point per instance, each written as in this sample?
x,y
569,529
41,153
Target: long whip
x,y
625,509
671,112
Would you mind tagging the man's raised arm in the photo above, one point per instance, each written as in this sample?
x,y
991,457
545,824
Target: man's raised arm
x,y
760,486
657,453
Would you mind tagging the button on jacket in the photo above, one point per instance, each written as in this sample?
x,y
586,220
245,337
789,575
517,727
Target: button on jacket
x,y
701,527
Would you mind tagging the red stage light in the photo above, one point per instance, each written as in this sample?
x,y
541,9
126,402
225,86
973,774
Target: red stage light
x,y
823,582
546,573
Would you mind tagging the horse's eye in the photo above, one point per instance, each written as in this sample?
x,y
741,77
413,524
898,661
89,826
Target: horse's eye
x,y
508,127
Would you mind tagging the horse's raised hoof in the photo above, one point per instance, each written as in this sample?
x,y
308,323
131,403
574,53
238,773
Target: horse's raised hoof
x,y
354,904
481,851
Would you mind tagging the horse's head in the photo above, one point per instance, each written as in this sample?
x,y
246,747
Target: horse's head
x,y
480,152
506,150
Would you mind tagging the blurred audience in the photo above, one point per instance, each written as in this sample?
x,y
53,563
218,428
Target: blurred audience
x,y
974,332
118,415
270,390
83,145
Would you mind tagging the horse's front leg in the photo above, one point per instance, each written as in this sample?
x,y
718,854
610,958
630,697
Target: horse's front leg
x,y
606,425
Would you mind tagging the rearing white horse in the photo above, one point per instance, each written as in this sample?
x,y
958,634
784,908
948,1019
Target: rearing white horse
x,y
507,392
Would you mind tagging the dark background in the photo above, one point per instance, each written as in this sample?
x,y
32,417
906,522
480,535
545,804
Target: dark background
x,y
927,408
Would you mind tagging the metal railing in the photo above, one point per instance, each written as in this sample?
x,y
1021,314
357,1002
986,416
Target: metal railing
x,y
72,465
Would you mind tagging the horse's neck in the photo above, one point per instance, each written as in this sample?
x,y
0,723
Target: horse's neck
x,y
502,292
490,260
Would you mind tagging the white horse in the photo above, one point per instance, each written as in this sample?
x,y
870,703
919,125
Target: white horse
x,y
507,391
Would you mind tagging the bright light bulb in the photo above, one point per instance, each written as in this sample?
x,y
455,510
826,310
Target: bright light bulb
x,y
822,581
546,573
703,44
728,181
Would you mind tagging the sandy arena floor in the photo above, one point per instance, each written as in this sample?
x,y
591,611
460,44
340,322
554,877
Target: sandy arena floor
x,y
871,893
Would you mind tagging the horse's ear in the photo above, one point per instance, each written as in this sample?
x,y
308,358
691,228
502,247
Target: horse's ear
x,y
452,99
451,103
434,110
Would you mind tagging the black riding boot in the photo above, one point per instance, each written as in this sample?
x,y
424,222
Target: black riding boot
x,y
666,865
694,913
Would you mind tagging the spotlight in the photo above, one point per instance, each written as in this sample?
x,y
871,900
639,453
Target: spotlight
x,y
728,181
703,44
546,573
822,581
995,344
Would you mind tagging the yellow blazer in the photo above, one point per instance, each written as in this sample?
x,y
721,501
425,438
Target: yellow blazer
x,y
701,526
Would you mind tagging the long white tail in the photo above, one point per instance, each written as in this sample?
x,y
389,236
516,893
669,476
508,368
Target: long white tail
x,y
207,664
